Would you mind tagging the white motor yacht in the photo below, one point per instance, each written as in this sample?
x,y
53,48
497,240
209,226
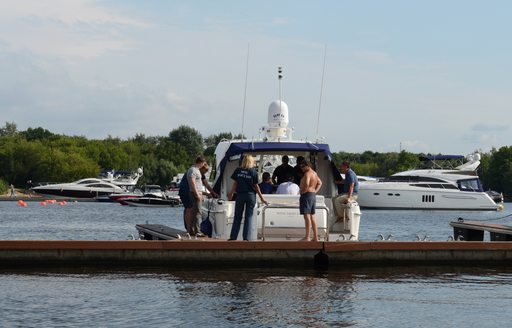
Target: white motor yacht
x,y
436,188
280,219
111,182
84,188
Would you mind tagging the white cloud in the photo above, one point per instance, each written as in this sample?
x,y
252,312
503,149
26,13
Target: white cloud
x,y
63,28
63,11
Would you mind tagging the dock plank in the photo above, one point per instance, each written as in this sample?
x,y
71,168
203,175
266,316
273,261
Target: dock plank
x,y
474,230
221,253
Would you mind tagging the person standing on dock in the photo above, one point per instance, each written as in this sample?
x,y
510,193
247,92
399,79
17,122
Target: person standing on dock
x,y
194,179
310,184
246,187
187,200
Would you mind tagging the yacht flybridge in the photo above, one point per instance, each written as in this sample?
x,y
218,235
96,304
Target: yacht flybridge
x,y
435,188
280,219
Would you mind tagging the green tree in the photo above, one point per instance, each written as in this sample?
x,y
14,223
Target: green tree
x,y
190,139
172,152
36,134
10,129
406,161
26,159
3,187
499,173
212,141
483,170
164,172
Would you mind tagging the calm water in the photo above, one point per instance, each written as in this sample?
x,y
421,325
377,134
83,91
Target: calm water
x,y
392,297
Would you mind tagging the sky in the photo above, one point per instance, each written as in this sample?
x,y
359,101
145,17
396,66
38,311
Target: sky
x,y
421,76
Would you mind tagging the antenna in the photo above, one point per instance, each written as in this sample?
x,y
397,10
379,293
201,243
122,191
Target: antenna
x,y
321,93
245,91
280,76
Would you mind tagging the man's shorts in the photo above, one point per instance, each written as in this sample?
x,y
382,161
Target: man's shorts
x,y
186,199
307,202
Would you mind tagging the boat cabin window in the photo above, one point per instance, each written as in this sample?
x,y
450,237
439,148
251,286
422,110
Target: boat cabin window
x,y
100,185
421,185
411,178
87,181
435,185
448,186
470,185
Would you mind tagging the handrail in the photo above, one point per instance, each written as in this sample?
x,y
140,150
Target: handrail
x,y
265,207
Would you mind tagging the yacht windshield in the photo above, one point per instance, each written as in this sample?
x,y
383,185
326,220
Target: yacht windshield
x,y
470,185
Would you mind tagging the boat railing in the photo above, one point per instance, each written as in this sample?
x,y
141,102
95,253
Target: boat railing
x,y
278,206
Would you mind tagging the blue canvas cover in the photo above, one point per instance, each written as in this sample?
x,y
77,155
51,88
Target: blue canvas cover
x,y
239,148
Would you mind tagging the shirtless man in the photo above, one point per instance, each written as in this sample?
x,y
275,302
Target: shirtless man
x,y
309,186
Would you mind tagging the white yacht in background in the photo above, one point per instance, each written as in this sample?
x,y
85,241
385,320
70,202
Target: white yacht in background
x,y
84,188
280,219
99,188
436,188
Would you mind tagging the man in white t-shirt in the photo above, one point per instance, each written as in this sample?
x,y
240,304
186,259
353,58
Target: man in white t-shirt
x,y
288,187
195,184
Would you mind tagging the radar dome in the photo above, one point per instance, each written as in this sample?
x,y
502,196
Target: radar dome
x,y
278,114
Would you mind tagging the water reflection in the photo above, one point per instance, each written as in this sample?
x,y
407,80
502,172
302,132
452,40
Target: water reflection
x,y
270,298
254,297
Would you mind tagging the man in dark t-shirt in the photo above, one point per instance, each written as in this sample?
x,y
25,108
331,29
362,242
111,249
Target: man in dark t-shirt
x,y
282,172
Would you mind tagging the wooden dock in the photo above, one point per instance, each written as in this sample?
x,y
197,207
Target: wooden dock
x,y
164,247
474,230
211,253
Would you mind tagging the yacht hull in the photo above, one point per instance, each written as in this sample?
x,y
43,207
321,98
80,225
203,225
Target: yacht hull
x,y
393,196
73,193
151,202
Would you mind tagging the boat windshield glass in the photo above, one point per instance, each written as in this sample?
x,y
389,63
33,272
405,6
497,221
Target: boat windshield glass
x,y
470,185
87,181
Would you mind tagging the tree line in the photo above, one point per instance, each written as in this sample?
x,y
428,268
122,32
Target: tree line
x,y
39,155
